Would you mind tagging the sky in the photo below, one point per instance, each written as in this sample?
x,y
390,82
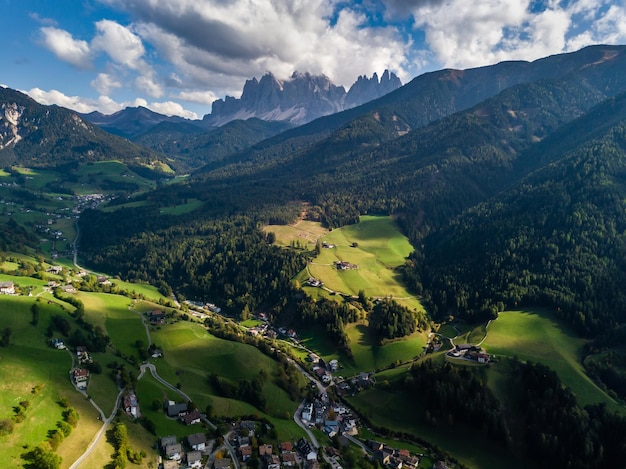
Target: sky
x,y
177,56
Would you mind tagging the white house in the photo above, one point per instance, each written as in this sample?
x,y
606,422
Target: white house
x,y
7,288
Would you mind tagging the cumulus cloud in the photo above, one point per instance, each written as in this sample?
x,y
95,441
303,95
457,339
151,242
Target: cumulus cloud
x,y
65,47
213,43
120,43
104,83
200,97
171,108
105,104
465,34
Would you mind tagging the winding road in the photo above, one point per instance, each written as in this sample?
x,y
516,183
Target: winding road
x,y
105,425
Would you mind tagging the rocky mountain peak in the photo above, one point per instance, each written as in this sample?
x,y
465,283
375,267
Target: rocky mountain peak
x,y
299,99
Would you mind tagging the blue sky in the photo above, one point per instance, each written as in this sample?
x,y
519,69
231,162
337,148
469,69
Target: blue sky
x,y
178,56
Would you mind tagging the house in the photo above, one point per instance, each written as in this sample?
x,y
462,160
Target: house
x,y
382,456
265,449
272,461
176,410
168,440
303,446
322,374
288,458
307,412
248,425
191,418
480,357
131,407
375,445
245,452
286,446
80,376
197,441
222,463
82,355
55,269
7,288
156,317
363,380
194,459
313,358
331,427
243,441
334,365
174,451
102,280
68,288
57,344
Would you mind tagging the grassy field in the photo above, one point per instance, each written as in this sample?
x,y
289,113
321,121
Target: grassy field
x,y
191,353
29,362
377,247
303,231
181,209
539,337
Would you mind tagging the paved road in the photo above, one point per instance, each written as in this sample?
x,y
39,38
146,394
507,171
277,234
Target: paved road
x,y
105,425
298,420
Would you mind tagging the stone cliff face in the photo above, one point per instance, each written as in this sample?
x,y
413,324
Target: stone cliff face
x,y
367,89
298,100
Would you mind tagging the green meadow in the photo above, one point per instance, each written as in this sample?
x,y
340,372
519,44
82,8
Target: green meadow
x,y
539,337
191,354
377,247
29,362
304,232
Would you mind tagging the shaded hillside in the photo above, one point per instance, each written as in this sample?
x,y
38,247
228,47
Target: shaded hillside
x,y
425,178
431,174
193,146
133,121
428,98
556,239
48,136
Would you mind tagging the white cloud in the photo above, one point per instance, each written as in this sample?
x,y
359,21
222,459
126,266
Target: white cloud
x,y
218,45
104,83
171,108
122,45
147,84
200,97
105,104
65,47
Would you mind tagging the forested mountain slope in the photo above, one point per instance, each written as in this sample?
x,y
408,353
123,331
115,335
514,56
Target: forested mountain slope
x,y
49,136
555,239
428,98
426,177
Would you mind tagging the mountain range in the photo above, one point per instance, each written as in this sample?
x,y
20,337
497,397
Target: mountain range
x,y
509,181
36,135
300,99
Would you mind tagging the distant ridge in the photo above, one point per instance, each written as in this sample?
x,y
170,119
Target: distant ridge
x,y
299,99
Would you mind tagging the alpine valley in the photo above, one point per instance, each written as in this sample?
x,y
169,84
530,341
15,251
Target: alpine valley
x,y
426,275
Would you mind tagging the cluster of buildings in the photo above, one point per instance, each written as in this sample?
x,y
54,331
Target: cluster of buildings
x,y
156,317
80,374
182,412
190,455
391,458
470,352
131,405
287,455
7,288
333,419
